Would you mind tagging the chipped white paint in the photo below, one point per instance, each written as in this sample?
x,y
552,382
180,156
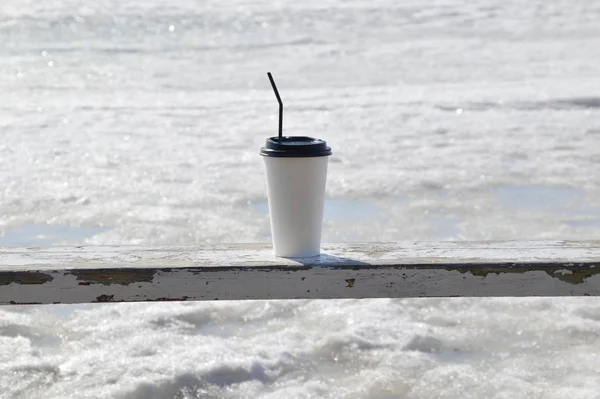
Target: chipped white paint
x,y
249,271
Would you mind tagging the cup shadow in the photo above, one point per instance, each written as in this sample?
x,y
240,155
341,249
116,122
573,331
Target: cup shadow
x,y
325,259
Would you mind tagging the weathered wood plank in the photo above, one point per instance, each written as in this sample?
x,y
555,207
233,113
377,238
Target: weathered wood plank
x,y
249,271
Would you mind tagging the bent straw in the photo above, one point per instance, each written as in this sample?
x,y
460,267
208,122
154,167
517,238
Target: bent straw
x,y
280,105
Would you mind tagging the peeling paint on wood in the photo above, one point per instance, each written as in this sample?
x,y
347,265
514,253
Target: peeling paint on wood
x,y
105,298
164,299
576,274
25,277
49,275
113,276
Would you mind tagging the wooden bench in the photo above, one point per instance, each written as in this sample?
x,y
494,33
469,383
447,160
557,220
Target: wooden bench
x,y
249,271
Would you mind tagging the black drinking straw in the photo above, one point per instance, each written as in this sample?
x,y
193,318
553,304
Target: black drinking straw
x,y
280,105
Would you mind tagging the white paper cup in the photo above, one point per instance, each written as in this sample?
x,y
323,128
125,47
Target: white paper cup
x,y
296,180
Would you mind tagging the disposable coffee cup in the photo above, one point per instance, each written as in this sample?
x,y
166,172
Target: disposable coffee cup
x,y
296,169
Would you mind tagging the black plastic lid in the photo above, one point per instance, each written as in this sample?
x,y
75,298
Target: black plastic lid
x,y
295,147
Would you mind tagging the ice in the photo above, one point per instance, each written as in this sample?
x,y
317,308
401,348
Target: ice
x,y
140,122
